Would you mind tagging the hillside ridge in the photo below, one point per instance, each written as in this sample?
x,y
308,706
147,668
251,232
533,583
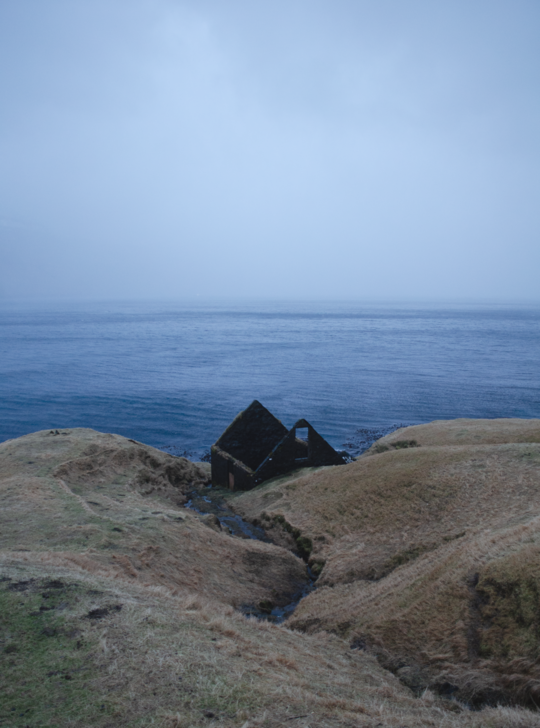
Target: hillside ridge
x,y
120,606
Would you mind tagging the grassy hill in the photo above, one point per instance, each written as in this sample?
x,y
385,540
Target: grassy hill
x,y
430,552
119,607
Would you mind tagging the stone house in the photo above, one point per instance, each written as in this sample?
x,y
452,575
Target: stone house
x,y
256,446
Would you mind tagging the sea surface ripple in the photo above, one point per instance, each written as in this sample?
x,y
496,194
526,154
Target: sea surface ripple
x,y
173,375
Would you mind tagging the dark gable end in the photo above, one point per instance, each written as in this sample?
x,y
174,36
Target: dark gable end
x,y
252,435
257,446
293,453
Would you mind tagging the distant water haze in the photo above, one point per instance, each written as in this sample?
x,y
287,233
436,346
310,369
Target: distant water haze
x,y
166,149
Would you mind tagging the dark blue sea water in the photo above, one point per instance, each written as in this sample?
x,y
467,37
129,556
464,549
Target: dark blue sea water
x,y
173,375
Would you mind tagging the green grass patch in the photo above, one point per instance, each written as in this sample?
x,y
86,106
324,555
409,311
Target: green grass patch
x,y
46,665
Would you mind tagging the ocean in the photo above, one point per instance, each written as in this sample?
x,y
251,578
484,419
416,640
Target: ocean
x,y
173,375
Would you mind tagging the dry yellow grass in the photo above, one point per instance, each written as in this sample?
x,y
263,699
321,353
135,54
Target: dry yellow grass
x,y
94,522
465,431
180,662
109,506
431,554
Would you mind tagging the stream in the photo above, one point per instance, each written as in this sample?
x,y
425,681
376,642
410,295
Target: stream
x,y
212,502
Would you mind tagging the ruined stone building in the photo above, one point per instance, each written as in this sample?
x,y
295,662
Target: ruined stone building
x,y
256,446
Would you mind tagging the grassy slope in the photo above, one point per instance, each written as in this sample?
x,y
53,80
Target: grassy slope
x,y
106,505
432,554
152,658
113,611
471,432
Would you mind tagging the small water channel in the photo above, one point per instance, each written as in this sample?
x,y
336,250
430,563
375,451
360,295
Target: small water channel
x,y
210,501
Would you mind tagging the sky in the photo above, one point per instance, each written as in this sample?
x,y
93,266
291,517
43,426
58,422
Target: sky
x,y
293,149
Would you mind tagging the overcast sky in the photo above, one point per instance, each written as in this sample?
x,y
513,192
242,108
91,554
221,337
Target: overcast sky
x,y
343,149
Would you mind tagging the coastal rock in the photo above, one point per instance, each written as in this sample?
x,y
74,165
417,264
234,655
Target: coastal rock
x,y
212,521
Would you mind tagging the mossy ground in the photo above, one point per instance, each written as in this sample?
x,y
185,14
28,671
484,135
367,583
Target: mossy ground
x,y
47,666
77,656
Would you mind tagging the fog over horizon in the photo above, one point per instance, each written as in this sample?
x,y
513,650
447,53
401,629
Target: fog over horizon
x,y
288,150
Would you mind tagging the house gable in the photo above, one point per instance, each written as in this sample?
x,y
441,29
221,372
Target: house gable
x,y
257,446
293,453
252,435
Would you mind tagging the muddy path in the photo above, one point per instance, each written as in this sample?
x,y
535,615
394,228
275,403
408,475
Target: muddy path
x,y
211,501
